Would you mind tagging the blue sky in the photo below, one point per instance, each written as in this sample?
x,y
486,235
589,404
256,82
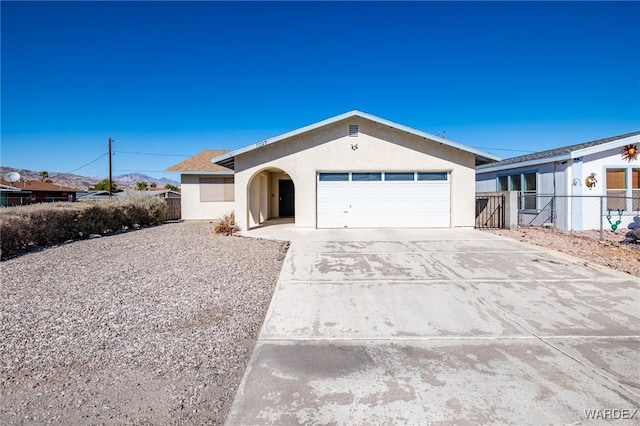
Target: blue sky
x,y
169,79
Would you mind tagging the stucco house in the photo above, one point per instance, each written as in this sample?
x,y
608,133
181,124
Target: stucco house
x,y
572,187
353,170
32,191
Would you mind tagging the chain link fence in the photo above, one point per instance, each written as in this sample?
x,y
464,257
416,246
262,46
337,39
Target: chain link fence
x,y
579,212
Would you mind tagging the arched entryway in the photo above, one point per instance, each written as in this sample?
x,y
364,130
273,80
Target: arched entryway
x,y
270,195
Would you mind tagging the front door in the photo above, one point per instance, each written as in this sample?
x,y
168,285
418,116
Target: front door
x,y
287,199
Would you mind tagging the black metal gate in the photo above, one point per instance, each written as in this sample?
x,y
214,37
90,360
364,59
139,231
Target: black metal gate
x,y
490,211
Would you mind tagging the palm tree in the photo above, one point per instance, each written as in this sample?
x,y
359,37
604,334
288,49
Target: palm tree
x,y
44,176
142,186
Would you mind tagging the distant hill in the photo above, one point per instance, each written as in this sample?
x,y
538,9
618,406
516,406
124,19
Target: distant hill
x,y
84,182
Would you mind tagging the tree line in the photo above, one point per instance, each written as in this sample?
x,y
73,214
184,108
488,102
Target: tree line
x,y
140,186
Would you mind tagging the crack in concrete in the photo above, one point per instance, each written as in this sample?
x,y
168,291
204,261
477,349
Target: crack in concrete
x,y
547,341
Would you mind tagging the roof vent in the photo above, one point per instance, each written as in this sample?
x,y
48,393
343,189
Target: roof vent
x,y
353,130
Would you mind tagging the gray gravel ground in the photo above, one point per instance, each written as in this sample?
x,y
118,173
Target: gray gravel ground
x,y
153,326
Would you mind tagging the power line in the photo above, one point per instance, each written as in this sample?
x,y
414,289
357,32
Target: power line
x,y
88,164
153,153
146,171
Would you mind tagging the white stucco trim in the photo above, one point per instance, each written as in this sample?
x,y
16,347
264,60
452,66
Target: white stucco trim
x,y
538,161
563,157
352,114
605,146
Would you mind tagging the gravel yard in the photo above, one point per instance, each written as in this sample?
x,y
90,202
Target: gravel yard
x,y
583,244
154,326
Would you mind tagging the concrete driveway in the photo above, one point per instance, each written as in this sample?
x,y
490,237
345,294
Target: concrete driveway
x,y
371,327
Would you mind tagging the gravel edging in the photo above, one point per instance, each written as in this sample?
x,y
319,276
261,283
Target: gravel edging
x,y
582,244
148,327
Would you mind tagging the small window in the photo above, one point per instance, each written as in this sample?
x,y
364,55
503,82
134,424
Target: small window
x,y
353,130
398,176
216,189
433,176
364,177
503,183
530,182
530,199
516,182
616,189
333,177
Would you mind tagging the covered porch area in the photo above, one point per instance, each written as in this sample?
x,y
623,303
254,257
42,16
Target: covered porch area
x,y
270,196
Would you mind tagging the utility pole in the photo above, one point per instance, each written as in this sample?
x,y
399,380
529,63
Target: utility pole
x,y
110,177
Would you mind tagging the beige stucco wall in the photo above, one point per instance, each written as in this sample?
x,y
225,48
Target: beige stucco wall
x,y
380,148
192,208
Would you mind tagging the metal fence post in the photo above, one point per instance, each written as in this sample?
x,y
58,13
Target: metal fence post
x,y
601,216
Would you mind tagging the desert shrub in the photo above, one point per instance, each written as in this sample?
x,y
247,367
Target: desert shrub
x,y
51,226
141,210
23,227
226,225
13,235
99,219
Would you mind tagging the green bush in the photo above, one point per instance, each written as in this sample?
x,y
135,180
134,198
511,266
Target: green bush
x,y
25,227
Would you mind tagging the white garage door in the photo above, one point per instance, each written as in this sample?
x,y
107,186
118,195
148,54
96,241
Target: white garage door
x,y
384,200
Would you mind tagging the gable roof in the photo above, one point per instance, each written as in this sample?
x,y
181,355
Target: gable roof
x,y
200,163
551,153
34,185
228,159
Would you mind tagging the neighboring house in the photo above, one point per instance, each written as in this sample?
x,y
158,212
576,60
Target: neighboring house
x,y
93,195
16,195
30,192
206,189
161,193
577,182
104,195
354,170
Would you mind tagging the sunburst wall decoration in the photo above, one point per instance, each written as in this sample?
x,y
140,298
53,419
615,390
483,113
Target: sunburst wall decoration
x,y
630,152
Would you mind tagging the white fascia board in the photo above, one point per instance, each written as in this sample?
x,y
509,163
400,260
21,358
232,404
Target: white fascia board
x,y
350,114
278,138
605,146
522,164
429,136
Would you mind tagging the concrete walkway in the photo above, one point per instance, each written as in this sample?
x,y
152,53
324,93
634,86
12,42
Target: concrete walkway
x,y
412,327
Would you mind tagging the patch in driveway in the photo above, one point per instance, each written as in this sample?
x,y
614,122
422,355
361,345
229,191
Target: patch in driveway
x,y
577,308
368,310
503,382
363,266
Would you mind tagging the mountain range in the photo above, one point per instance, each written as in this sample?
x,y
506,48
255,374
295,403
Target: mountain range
x,y
84,182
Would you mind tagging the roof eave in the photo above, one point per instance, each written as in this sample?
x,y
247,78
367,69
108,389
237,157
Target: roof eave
x,y
227,160
605,146
205,172
522,164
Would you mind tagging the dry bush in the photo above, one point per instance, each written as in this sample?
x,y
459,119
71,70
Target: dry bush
x,y
14,236
24,227
140,210
226,225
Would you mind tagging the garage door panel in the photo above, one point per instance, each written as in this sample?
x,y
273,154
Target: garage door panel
x,y
332,204
385,204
